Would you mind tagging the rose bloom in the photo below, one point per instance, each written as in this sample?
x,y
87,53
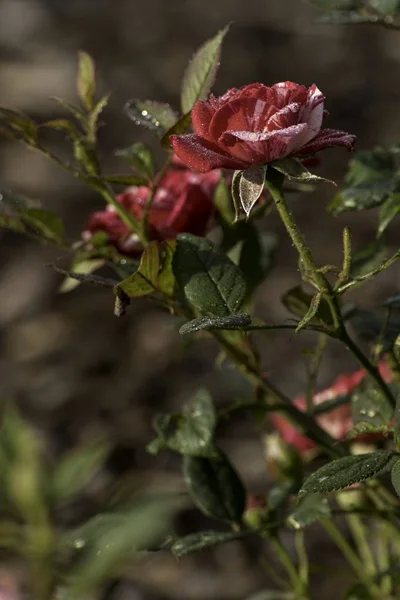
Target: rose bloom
x,y
337,422
183,203
257,124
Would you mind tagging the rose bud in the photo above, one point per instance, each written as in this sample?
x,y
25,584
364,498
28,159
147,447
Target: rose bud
x,y
182,203
257,124
256,512
337,422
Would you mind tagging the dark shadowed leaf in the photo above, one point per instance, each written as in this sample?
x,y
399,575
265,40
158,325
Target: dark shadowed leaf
x,y
166,278
202,540
257,256
155,116
368,258
201,72
235,193
294,169
395,476
238,321
45,223
388,211
370,181
369,404
86,82
140,157
280,493
215,487
273,595
298,302
373,325
364,427
223,201
76,468
251,186
210,280
190,433
22,126
310,509
343,472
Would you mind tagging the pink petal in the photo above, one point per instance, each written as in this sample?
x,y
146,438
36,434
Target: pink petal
x,y
201,155
285,117
261,147
328,138
202,114
287,92
241,114
313,112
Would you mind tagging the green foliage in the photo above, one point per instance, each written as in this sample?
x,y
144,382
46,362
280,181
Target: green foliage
x,y
201,72
251,186
86,82
76,468
312,310
346,471
238,321
201,541
192,432
211,282
311,508
155,116
215,487
140,158
370,405
295,170
372,180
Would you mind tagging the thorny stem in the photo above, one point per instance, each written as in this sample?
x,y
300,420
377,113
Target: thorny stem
x,y
274,183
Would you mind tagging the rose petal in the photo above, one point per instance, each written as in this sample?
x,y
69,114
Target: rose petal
x,y
285,117
328,138
201,155
287,92
262,147
202,114
241,114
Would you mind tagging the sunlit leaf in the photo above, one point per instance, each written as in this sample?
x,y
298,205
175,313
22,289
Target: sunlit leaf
x,y
294,169
155,116
201,72
239,321
251,186
86,81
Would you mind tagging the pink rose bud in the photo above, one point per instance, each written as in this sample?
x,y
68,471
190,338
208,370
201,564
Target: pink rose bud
x,y
257,124
337,422
183,203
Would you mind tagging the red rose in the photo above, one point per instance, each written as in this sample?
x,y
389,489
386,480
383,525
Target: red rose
x,y
183,203
337,422
257,124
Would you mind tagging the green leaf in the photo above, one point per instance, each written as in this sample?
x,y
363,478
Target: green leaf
x,y
202,540
238,321
155,116
74,110
166,278
280,493
364,427
343,472
140,157
180,127
311,508
45,223
223,201
85,154
201,72
210,280
257,256
215,487
372,326
311,313
192,432
272,595
298,302
294,169
395,476
388,211
145,280
124,180
76,468
82,277
86,81
368,258
369,404
371,180
85,267
385,8
108,541
95,114
251,186
21,125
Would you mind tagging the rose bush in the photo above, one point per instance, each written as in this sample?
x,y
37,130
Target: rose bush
x,y
183,203
257,124
337,422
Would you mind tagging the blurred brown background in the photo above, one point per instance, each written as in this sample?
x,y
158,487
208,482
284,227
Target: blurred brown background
x,y
76,369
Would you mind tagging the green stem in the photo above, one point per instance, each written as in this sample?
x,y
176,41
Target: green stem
x,y
288,565
274,184
360,537
304,421
354,561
